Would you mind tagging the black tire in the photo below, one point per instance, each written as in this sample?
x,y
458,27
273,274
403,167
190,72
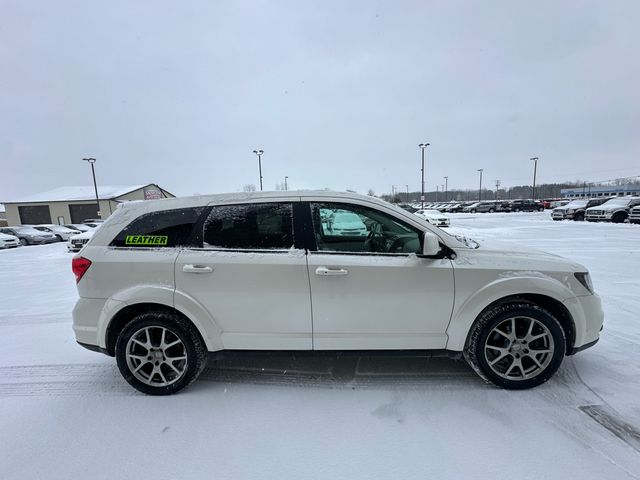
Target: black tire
x,y
58,238
619,217
475,351
185,331
23,242
541,209
473,211
491,210
578,217
517,210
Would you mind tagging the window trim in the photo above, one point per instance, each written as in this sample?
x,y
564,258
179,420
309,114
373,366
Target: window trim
x,y
313,247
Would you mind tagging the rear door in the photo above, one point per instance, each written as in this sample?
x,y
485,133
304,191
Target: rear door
x,y
249,276
369,289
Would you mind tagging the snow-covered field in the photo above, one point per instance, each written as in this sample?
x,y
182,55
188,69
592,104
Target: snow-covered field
x,y
65,413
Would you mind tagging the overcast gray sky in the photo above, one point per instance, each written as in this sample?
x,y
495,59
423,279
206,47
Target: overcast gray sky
x,y
338,94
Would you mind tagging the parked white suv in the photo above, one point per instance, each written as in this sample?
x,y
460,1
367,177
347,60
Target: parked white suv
x,y
163,282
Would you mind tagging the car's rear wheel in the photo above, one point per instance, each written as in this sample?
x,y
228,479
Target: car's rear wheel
x,y
516,346
23,242
579,217
160,353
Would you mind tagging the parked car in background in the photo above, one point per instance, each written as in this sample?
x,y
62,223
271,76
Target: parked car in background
x,y
29,235
61,232
471,208
525,205
434,217
615,210
9,241
558,203
79,227
408,207
348,224
575,210
458,207
162,283
92,220
76,242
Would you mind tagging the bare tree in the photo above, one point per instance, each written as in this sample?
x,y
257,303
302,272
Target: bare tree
x,y
371,193
249,188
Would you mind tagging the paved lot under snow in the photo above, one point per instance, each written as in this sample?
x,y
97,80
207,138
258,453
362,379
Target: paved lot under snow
x,y
65,412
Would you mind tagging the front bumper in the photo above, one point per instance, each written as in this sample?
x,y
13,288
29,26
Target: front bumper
x,y
588,318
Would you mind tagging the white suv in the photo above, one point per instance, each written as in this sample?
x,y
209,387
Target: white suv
x,y
163,282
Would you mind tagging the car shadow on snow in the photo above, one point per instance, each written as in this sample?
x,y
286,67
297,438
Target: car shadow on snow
x,y
341,370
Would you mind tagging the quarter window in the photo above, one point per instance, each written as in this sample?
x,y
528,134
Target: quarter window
x,y
266,226
357,229
168,228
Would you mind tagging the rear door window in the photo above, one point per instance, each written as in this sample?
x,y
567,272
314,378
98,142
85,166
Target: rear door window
x,y
256,226
167,228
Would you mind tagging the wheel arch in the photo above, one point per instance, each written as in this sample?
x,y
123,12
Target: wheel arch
x,y
127,313
552,305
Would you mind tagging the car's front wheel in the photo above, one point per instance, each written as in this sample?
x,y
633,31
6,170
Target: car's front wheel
x,y
160,353
516,345
23,242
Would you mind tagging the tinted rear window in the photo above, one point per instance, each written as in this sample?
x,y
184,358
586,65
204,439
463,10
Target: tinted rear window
x,y
168,228
265,226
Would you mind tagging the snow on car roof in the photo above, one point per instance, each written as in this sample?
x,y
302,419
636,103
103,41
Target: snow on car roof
x,y
74,193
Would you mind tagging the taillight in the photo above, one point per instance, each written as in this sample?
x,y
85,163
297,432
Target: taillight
x,y
80,265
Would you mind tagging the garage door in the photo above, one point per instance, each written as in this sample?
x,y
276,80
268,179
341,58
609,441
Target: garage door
x,y
34,215
79,213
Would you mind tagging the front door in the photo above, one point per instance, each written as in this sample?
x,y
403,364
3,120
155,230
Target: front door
x,y
250,278
369,289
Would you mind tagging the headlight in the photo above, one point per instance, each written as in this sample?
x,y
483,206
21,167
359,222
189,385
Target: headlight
x,y
585,280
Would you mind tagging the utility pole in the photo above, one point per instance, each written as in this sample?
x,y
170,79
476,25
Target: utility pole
x,y
407,193
497,188
259,154
535,169
286,187
480,189
422,147
95,185
446,188
436,193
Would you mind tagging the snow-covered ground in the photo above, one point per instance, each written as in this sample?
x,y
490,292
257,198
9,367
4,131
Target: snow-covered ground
x,y
65,413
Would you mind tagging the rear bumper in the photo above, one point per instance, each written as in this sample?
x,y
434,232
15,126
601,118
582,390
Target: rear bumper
x,y
91,316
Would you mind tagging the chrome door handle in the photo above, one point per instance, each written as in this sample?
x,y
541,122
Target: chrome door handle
x,y
197,269
328,272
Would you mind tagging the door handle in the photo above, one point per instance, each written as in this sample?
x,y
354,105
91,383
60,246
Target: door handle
x,y
328,272
197,269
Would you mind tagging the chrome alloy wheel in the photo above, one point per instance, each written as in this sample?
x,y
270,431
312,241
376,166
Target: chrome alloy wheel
x,y
156,356
519,348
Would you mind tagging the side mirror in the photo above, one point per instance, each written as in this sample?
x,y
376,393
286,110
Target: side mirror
x,y
431,245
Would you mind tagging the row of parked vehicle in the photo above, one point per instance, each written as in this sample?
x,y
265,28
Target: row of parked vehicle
x,y
488,206
615,209
74,234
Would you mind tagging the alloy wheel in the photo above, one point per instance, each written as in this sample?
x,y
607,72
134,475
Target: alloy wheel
x,y
156,356
519,348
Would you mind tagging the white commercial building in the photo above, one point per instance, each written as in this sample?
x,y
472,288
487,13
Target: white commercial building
x,y
66,205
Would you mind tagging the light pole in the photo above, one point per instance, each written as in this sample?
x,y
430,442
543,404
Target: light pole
x,y
497,187
259,154
95,185
446,188
286,187
422,147
407,193
480,189
535,169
